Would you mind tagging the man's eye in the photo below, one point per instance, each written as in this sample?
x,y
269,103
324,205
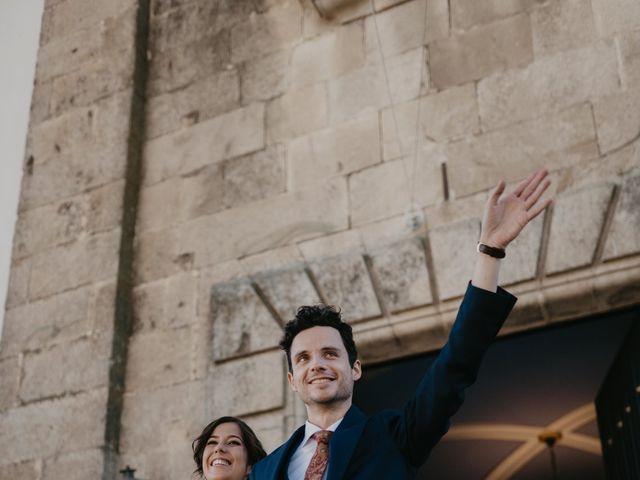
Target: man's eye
x,y
331,354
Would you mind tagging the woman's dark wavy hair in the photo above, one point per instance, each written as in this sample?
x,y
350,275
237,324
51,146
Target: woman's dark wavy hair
x,y
310,316
255,451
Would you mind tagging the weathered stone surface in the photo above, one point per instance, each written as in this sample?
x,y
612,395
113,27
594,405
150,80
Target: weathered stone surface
x,y
259,226
45,322
575,227
280,258
102,308
9,380
297,112
403,27
561,26
159,205
562,139
344,282
199,101
202,192
444,115
231,134
254,177
259,390
157,255
18,290
19,470
617,119
57,420
264,33
72,15
242,324
467,13
40,102
75,465
342,12
523,254
177,67
105,205
269,429
454,254
159,358
265,77
401,269
470,56
66,368
389,189
148,306
623,236
346,241
83,149
328,56
629,48
287,290
348,147
612,16
548,84
70,266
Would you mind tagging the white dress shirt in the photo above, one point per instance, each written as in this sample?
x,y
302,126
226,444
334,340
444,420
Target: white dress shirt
x,y
301,458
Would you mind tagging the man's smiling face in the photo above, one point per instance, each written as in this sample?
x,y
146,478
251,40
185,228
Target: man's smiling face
x,y
321,374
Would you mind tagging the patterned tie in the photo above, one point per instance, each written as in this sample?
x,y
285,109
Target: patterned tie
x,y
320,459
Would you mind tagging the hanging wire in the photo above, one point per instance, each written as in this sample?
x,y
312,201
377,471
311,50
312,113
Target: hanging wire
x,y
417,144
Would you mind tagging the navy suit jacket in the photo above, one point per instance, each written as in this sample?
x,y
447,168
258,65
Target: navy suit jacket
x,y
392,445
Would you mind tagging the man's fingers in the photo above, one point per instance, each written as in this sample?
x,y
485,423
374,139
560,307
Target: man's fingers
x,y
533,213
535,196
533,184
523,184
495,195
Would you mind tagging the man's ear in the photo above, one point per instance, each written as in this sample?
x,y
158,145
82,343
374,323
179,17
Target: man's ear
x,y
290,379
356,370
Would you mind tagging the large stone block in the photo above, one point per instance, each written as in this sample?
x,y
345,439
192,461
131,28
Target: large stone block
x,y
576,226
328,56
75,152
159,358
66,368
63,268
159,205
264,78
394,187
76,465
174,68
444,115
401,269
12,471
558,140
344,282
260,226
480,52
9,381
202,192
346,241
199,101
157,255
629,50
45,322
297,112
255,177
523,254
231,134
617,119
548,84
561,26
59,421
18,289
286,290
406,27
347,148
623,236
248,385
468,13
612,16
276,29
454,255
242,324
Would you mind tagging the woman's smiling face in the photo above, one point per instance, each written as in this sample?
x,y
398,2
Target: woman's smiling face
x,y
225,456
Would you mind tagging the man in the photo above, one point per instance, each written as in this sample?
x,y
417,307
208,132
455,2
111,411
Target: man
x,y
338,441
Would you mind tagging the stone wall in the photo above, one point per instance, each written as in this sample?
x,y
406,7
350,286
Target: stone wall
x,y
289,158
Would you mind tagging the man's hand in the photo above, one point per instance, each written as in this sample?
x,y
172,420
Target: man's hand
x,y
504,218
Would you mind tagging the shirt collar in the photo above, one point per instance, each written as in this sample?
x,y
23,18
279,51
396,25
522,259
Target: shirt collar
x,y
310,429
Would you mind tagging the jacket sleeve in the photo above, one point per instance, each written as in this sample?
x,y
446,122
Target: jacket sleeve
x,y
425,418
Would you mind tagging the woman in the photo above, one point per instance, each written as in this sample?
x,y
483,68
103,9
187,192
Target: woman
x,y
226,449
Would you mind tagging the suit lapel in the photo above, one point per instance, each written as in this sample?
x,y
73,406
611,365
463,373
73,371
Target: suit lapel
x,y
344,441
283,454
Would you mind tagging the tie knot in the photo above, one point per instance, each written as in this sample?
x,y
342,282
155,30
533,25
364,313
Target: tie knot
x,y
322,436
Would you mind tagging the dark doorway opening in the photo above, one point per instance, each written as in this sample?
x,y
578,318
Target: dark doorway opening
x,y
535,381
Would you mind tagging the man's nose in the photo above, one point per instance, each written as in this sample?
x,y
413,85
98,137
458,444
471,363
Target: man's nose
x,y
317,363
